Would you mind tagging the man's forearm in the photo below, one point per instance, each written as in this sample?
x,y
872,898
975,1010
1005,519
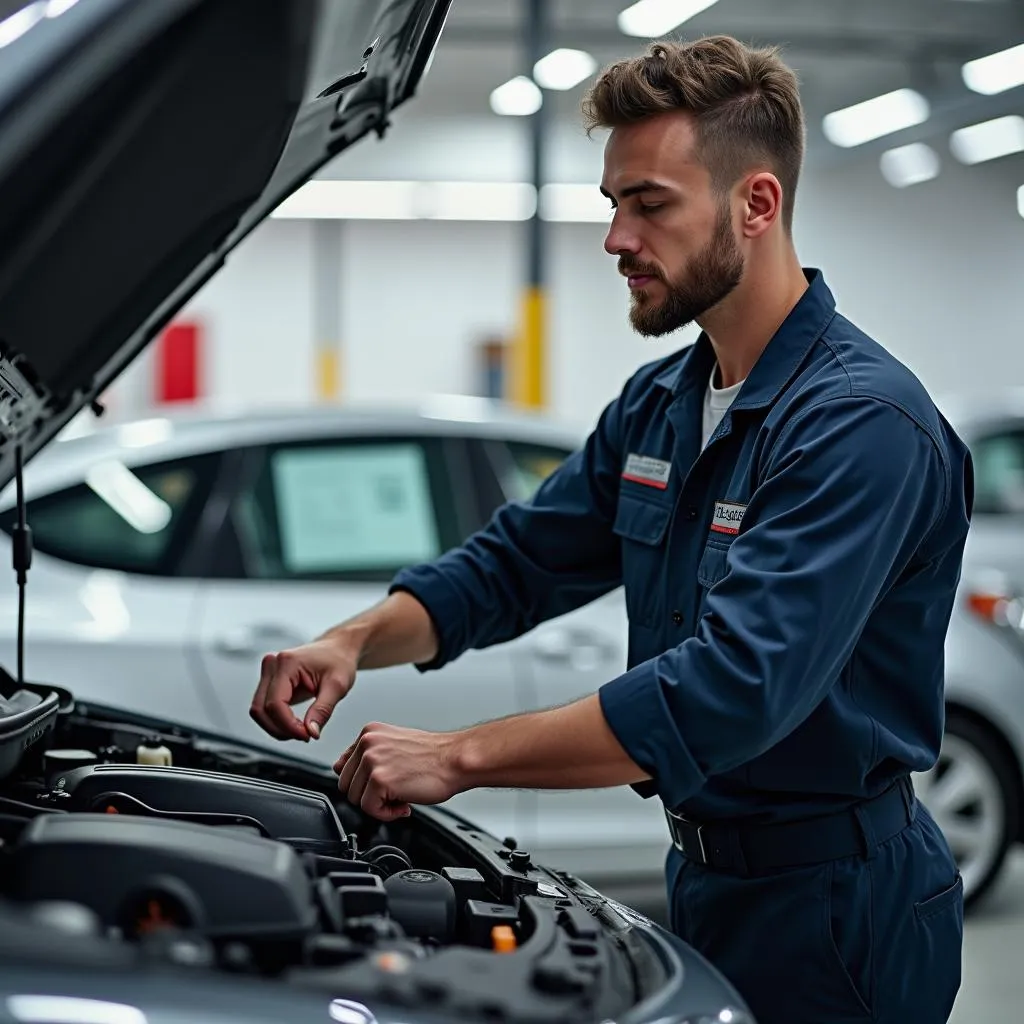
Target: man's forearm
x,y
570,747
398,631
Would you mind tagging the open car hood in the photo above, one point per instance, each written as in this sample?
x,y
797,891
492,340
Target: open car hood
x,y
140,142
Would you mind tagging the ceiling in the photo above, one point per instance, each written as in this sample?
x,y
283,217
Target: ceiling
x,y
844,51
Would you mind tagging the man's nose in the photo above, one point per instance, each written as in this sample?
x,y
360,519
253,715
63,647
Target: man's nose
x,y
620,241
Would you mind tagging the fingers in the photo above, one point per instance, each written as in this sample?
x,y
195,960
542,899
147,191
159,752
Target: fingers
x,y
375,803
349,762
331,690
377,798
360,782
285,679
342,759
257,710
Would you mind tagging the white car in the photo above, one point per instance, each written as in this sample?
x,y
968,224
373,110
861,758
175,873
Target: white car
x,y
172,553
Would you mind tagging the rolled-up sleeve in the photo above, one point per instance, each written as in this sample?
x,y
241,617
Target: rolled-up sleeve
x,y
849,490
535,560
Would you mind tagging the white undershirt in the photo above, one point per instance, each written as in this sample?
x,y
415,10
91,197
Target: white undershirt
x,y
716,404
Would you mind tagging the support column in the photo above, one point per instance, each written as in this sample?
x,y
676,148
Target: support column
x,y
529,363
327,239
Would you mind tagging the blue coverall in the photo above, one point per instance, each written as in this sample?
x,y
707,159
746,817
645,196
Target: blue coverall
x,y
788,591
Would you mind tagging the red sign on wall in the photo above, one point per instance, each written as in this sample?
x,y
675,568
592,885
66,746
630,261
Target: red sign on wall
x,y
178,363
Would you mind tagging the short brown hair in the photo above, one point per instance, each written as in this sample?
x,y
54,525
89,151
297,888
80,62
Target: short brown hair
x,y
746,103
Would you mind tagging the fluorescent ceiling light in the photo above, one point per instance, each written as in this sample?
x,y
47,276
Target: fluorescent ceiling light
x,y
578,204
410,200
518,97
1020,200
478,200
995,73
874,118
910,165
989,140
563,69
351,200
651,18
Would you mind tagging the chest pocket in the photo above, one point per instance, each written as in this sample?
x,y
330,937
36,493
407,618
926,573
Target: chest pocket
x,y
642,525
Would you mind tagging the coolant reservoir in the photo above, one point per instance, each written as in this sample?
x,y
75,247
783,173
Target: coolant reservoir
x,y
152,751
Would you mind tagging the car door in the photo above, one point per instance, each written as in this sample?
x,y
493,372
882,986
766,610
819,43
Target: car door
x,y
313,533
106,609
605,834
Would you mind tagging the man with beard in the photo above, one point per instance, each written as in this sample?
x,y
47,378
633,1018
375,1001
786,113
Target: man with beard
x,y
787,511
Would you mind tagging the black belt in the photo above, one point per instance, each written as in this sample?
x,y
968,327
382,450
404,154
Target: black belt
x,y
763,849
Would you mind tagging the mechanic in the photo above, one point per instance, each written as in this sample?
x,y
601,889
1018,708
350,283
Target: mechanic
x,y
787,512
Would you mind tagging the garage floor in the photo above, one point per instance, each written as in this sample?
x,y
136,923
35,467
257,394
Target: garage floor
x,y
993,984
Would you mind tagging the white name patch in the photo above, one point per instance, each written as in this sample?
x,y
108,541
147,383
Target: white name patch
x,y
728,516
642,469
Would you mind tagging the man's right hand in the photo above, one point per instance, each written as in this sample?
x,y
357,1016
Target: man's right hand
x,y
323,670
395,632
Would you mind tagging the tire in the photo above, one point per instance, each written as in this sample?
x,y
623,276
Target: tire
x,y
972,793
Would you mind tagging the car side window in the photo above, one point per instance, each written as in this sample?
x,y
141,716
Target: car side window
x,y
356,510
999,473
529,466
126,519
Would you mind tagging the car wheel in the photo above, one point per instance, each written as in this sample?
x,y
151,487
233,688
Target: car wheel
x,y
972,795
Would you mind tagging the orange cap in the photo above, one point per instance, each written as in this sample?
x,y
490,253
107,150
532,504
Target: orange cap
x,y
503,939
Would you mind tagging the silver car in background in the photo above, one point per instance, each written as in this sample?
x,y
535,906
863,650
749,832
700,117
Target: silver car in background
x,y
975,791
173,552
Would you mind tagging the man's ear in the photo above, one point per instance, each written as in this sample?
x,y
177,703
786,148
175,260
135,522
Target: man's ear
x,y
763,204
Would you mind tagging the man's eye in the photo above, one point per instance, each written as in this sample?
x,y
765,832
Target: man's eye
x,y
650,207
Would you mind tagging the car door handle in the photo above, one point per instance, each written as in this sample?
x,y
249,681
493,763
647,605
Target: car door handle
x,y
256,640
573,647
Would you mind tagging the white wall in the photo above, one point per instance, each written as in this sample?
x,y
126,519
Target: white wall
x,y
417,296
933,271
256,315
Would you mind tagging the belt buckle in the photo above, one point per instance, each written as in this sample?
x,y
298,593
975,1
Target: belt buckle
x,y
700,835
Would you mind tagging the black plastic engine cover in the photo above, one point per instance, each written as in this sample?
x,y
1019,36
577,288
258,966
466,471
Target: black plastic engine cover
x,y
141,874
285,812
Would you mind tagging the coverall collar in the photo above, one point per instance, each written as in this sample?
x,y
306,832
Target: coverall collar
x,y
783,354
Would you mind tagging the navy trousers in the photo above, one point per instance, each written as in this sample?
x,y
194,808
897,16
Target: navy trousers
x,y
875,938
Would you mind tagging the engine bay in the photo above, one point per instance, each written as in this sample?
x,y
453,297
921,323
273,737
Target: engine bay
x,y
122,842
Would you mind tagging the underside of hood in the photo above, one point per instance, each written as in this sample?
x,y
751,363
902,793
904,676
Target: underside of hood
x,y
140,142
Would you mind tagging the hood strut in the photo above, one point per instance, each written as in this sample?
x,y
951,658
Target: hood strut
x,y
21,547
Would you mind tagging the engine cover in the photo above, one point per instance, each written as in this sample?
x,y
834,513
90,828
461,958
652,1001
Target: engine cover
x,y
280,812
141,874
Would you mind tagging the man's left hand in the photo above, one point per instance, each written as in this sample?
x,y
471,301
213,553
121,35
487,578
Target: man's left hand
x,y
389,767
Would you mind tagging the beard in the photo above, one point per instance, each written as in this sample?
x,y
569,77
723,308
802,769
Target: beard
x,y
707,279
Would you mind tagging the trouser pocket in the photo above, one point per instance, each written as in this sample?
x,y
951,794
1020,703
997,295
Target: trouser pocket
x,y
918,918
947,899
796,945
